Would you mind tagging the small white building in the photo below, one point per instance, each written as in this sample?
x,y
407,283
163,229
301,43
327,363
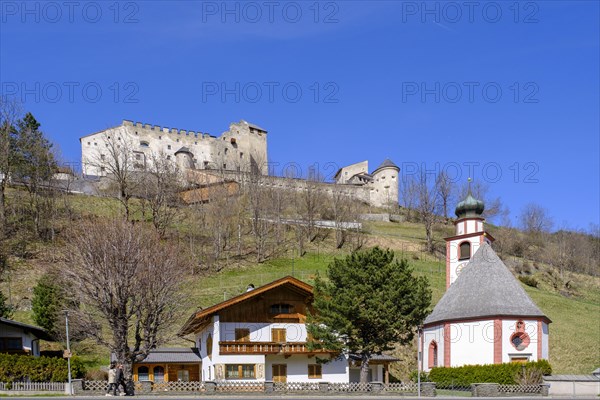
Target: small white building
x,y
261,335
19,338
485,316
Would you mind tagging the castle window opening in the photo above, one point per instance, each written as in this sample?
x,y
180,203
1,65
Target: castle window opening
x,y
242,154
168,157
160,138
168,147
224,166
136,132
144,144
226,151
89,143
102,157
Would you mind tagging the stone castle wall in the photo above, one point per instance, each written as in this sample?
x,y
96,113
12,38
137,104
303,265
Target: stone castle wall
x,y
243,147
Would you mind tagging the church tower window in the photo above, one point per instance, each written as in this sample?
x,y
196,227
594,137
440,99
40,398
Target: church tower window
x,y
465,251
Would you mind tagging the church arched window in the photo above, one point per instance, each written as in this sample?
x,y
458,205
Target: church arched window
x,y
464,251
433,354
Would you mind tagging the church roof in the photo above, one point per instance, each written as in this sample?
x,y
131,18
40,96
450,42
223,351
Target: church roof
x,y
385,164
484,288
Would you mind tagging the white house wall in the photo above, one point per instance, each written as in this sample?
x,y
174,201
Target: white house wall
x,y
261,331
336,370
29,340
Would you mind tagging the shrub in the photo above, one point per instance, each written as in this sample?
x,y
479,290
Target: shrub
x,y
529,281
15,367
504,374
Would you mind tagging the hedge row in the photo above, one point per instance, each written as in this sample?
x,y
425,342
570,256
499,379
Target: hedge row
x,y
15,367
503,374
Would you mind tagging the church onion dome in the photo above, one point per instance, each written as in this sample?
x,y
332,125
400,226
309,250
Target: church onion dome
x,y
183,150
469,207
386,164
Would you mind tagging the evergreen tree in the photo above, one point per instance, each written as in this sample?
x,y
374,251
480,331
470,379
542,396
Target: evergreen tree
x,y
46,304
6,310
369,302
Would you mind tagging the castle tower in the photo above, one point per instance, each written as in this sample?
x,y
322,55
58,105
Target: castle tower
x,y
185,158
385,184
469,235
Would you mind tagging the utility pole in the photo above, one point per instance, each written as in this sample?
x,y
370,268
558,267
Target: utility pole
x,y
419,354
68,351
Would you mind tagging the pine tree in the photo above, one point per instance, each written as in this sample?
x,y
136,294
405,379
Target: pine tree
x,y
46,304
369,302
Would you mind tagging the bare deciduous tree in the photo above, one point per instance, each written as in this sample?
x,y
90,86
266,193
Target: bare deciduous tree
x,y
161,191
127,280
445,188
10,112
427,206
118,161
535,219
408,192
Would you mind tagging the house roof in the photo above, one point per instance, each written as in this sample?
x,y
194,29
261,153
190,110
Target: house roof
x,y
201,317
178,355
484,288
36,330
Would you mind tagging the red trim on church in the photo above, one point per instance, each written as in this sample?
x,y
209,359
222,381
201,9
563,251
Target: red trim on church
x,y
432,355
480,233
447,265
447,345
539,339
497,341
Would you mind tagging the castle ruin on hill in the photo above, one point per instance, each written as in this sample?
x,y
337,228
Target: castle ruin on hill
x,y
239,151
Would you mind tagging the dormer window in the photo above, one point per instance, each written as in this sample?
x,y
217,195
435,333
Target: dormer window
x,y
281,309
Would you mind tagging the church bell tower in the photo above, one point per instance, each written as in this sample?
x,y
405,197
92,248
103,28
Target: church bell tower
x,y
469,235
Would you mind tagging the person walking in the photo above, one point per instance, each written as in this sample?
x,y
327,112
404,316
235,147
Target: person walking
x,y
112,380
120,380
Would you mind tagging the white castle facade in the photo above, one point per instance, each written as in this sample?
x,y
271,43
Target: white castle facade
x,y
241,149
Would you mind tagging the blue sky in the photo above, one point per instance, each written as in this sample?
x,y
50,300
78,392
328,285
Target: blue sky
x,y
506,92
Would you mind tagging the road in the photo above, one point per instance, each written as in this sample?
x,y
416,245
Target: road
x,y
258,396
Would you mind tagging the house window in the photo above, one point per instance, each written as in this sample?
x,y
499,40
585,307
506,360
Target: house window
x,y
314,371
11,343
242,335
143,374
183,375
240,371
209,346
281,309
278,335
159,374
465,251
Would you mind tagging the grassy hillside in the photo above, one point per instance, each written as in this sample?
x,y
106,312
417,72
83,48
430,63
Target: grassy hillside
x,y
574,333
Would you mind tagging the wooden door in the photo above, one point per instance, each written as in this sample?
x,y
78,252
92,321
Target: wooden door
x,y
280,373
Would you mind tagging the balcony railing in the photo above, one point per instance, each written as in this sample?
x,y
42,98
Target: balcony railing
x,y
233,347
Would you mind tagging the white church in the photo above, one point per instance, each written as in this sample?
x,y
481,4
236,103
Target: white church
x,y
485,316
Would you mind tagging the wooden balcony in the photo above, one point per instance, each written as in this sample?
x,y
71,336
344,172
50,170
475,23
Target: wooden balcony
x,y
290,348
